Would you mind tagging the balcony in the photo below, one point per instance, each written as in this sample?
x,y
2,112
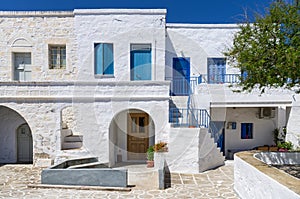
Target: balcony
x,y
185,87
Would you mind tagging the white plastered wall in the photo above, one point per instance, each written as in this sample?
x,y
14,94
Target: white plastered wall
x,y
198,42
121,28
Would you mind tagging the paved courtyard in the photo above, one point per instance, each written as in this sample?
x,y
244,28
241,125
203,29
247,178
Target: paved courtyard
x,y
216,183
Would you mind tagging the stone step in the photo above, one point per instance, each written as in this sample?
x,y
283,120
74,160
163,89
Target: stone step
x,y
71,145
66,132
73,138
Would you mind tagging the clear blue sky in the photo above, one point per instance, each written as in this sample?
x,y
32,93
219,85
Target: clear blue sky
x,y
185,11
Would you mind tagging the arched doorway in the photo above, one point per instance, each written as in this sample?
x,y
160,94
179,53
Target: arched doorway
x,y
131,132
15,137
24,144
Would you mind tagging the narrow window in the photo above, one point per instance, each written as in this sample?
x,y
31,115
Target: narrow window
x,y
216,70
247,130
140,62
57,56
104,59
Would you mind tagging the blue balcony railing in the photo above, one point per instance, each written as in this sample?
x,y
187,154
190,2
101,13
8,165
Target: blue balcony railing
x,y
184,87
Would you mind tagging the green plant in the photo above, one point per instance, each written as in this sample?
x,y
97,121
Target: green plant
x,y
285,145
150,153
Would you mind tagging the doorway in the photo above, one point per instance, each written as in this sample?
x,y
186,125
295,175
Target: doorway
x,y
181,76
24,144
137,136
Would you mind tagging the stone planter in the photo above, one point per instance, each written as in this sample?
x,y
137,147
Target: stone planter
x,y
158,157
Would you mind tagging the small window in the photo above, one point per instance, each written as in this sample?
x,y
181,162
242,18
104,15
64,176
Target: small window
x,y
104,59
57,56
247,130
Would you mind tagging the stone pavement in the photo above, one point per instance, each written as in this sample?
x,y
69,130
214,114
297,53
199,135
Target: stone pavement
x,y
217,183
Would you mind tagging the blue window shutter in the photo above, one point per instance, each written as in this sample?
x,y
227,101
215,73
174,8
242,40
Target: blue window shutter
x,y
108,62
104,59
140,65
243,130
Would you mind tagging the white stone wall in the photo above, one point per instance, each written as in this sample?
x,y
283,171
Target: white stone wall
x,y
198,42
32,32
121,28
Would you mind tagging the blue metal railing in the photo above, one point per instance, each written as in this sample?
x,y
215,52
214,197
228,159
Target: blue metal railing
x,y
186,117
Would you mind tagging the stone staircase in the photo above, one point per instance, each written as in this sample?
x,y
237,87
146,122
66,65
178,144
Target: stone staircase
x,y
69,140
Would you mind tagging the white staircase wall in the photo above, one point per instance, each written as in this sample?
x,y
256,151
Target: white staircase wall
x,y
192,150
180,101
183,150
210,156
293,133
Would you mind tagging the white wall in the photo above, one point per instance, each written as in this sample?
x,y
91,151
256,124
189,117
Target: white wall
x,y
122,28
198,42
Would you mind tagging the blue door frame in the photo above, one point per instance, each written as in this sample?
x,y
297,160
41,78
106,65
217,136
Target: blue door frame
x,y
181,76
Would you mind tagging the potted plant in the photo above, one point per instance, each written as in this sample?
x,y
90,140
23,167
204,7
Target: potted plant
x,y
150,157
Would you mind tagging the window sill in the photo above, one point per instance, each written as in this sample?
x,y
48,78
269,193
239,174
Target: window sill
x,y
104,76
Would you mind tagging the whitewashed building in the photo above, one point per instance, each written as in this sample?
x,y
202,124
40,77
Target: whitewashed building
x,y
111,82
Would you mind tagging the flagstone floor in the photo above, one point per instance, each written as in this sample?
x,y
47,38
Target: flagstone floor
x,y
217,183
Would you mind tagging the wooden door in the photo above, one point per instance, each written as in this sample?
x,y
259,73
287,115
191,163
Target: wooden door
x,y
137,136
24,145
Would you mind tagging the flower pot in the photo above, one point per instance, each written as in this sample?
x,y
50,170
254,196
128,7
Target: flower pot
x,y
150,163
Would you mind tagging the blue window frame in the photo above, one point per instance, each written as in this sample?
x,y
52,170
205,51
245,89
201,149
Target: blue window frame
x,y
104,59
246,130
216,70
140,62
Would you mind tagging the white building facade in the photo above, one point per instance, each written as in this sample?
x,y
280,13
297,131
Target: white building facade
x,y
109,83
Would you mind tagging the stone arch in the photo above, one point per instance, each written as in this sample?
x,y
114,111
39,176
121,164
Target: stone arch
x,y
131,132
10,122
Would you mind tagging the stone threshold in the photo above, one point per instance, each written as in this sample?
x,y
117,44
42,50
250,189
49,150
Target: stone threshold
x,y
94,188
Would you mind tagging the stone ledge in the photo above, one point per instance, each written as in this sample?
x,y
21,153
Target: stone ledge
x,y
281,177
95,188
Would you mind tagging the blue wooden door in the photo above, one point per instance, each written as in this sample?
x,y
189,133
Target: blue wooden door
x,y
140,64
181,76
